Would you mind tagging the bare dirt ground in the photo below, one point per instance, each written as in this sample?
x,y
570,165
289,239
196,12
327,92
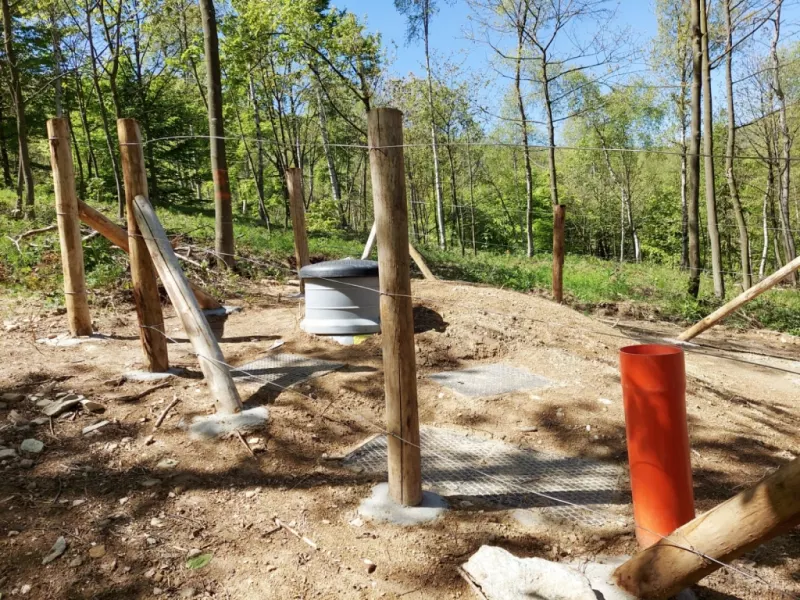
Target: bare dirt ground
x,y
130,518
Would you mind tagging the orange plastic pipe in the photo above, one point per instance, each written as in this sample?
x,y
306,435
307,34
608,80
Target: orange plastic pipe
x,y
654,396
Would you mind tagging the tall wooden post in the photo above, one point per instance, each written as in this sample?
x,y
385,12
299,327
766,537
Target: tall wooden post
x,y
385,135
69,228
294,181
143,274
559,211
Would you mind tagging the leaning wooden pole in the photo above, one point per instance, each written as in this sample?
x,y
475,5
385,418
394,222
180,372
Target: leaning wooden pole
x,y
415,255
744,522
212,361
119,237
69,228
385,135
294,181
370,243
740,300
559,213
145,288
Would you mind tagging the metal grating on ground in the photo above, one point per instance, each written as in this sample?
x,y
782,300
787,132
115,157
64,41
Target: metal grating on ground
x,y
490,380
279,371
490,471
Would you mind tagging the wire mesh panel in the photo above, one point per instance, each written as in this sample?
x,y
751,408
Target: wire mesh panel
x,y
497,473
279,371
490,380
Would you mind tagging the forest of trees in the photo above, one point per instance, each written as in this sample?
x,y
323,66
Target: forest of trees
x,y
634,136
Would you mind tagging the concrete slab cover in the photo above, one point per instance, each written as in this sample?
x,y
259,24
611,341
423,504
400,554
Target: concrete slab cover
x,y
490,380
213,426
65,340
381,507
147,376
494,472
280,371
503,576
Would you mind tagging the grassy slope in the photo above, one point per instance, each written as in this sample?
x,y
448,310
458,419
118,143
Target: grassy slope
x,y
646,289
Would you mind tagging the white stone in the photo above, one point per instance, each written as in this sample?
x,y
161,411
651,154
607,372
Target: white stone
x,y
32,446
213,426
503,576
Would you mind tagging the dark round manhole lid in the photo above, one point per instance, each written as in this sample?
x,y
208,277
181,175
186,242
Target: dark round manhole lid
x,y
348,267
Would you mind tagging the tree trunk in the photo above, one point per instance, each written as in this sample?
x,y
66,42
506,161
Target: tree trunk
x,y
764,220
551,135
730,147
223,211
786,145
693,179
259,170
58,84
684,207
7,181
471,199
91,158
112,154
19,108
78,159
336,189
434,142
521,22
708,161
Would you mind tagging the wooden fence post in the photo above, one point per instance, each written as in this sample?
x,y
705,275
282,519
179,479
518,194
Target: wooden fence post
x,y
294,181
197,329
749,519
145,288
69,228
385,135
559,211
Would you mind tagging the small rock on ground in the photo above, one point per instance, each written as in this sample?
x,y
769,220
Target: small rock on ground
x,y
57,550
31,446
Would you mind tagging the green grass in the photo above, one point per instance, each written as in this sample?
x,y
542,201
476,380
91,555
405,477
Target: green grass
x,y
645,290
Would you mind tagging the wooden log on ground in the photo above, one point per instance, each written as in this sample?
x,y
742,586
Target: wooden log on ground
x,y
385,134
69,228
294,181
744,522
212,361
145,288
559,213
119,237
740,300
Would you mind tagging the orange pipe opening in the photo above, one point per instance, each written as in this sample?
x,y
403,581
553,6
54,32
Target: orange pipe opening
x,y
654,396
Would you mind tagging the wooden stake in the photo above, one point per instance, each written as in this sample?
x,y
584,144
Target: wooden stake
x,y
420,261
212,361
559,211
294,181
740,300
69,228
370,243
744,522
119,237
385,134
145,289
415,255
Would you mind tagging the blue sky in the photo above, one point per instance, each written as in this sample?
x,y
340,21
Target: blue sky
x,y
449,27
